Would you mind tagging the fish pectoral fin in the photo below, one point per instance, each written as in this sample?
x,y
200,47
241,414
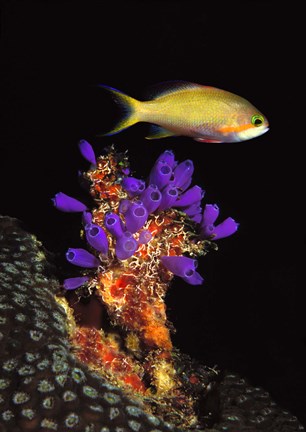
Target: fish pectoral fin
x,y
207,140
157,132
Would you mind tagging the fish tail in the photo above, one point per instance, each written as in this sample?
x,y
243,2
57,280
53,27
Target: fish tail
x,y
129,107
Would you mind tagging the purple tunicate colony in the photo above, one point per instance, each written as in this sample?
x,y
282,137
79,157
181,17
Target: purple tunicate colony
x,y
168,186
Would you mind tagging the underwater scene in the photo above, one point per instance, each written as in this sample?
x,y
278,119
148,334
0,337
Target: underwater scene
x,y
148,264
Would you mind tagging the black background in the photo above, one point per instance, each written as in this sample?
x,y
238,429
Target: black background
x,y
249,315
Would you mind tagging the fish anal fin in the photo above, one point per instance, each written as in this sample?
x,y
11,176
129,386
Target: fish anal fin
x,y
207,140
156,132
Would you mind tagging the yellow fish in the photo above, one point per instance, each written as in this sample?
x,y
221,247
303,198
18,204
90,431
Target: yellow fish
x,y
205,113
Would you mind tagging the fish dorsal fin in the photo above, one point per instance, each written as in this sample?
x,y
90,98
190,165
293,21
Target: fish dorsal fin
x,y
156,132
167,87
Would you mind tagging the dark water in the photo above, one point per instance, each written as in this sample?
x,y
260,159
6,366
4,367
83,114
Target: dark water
x,y
249,315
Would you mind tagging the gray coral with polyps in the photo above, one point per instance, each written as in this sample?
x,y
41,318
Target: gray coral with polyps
x,y
43,387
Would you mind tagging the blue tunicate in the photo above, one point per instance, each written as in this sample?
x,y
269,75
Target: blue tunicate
x,y
126,245
135,217
151,198
114,224
97,238
169,197
183,172
133,186
161,174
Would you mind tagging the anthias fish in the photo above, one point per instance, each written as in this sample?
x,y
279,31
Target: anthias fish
x,y
207,114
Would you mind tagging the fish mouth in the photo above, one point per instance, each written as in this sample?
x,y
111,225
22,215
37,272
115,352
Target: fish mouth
x,y
252,133
264,130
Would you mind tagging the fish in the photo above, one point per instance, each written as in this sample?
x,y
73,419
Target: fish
x,y
204,113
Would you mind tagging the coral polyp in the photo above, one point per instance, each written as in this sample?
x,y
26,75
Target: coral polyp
x,y
139,235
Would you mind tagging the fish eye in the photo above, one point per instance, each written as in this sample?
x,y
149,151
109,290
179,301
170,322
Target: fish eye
x,y
257,120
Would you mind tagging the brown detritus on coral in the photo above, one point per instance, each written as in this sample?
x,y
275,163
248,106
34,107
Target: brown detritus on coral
x,y
132,304
104,182
103,354
156,376
88,311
